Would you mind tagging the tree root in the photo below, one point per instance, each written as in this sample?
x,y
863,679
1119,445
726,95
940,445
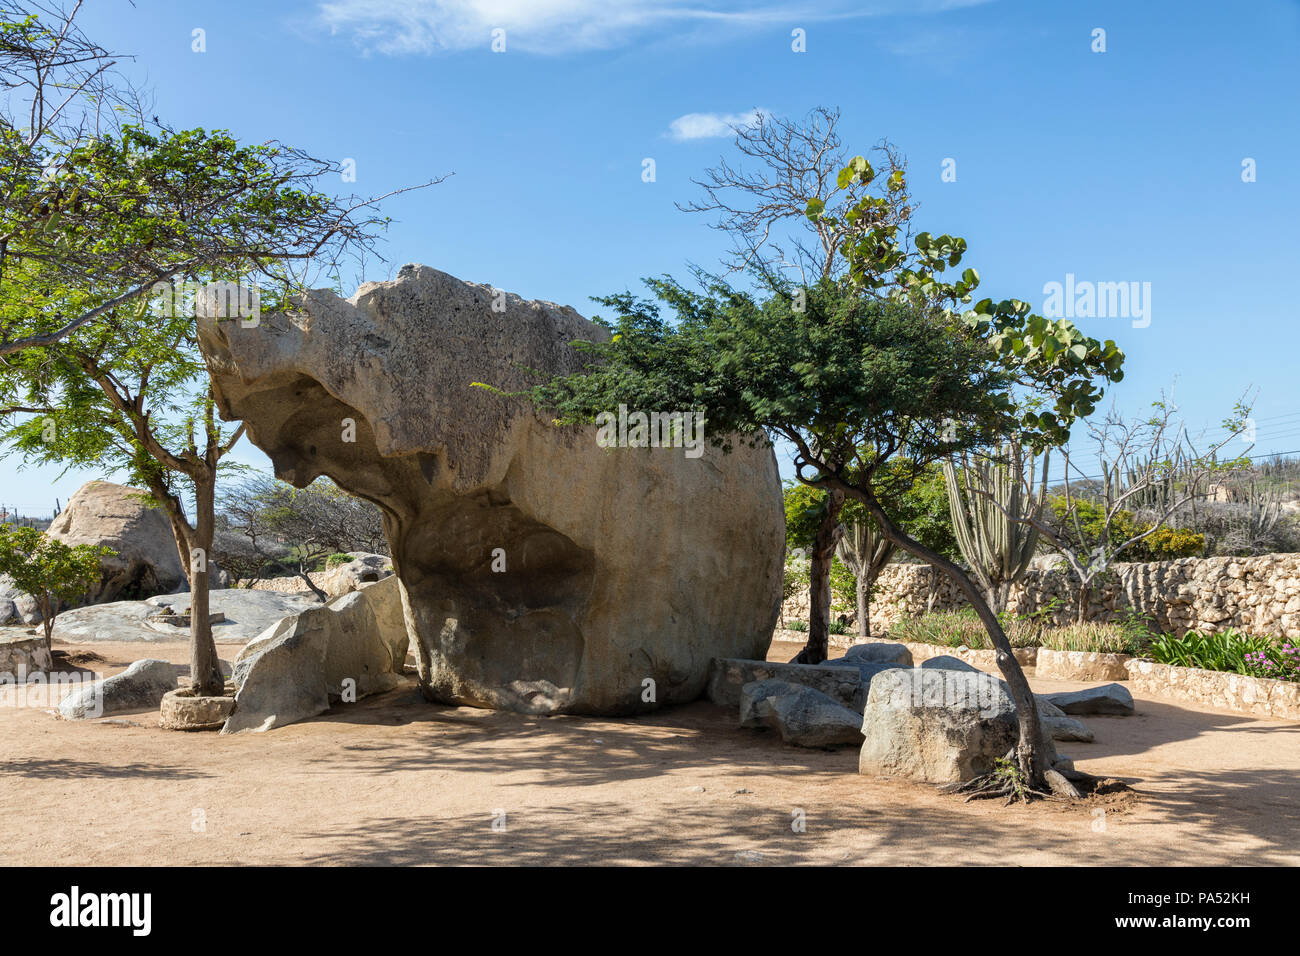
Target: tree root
x,y
1008,781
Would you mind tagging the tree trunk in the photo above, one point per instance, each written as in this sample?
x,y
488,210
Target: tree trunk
x,y
864,605
1032,749
819,582
205,668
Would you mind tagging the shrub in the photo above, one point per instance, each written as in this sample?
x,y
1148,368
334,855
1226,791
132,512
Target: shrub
x,y
1230,651
800,625
958,628
339,557
1092,637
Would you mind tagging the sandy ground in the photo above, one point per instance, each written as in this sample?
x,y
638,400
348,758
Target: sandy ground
x,y
393,780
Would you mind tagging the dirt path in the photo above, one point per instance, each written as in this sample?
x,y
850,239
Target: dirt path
x,y
396,781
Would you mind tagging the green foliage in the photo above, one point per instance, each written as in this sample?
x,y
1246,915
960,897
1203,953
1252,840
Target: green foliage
x,y
336,559
1230,650
844,585
1085,530
52,572
962,628
799,625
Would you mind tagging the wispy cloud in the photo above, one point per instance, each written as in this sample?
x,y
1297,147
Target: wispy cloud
x,y
709,125
398,27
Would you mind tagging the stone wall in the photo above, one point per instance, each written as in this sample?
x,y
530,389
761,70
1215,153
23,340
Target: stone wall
x,y
1260,595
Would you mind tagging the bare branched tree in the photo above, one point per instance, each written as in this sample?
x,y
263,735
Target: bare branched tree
x,y
785,164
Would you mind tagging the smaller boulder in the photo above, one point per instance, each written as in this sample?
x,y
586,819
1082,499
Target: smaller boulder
x,y
140,687
350,576
949,663
896,654
1060,725
1107,699
804,717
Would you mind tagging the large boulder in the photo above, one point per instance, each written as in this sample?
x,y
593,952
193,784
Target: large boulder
x,y
145,561
140,687
241,614
541,570
17,607
936,724
299,666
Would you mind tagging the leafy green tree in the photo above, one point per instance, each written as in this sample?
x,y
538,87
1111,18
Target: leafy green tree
x,y
52,572
115,231
855,375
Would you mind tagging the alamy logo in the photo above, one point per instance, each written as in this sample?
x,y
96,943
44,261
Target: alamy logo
x,y
1098,300
75,908
656,430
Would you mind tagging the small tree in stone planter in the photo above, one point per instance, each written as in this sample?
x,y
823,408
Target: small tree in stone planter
x,y
53,573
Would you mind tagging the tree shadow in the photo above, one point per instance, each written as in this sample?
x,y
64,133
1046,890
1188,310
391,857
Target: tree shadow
x,y
88,769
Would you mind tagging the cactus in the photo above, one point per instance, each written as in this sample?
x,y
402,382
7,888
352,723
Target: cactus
x,y
991,519
865,550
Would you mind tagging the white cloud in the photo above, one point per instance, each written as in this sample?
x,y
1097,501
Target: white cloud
x,y
709,125
399,27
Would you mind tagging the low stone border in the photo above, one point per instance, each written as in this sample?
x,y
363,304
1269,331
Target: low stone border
x,y
1258,696
25,654
1081,665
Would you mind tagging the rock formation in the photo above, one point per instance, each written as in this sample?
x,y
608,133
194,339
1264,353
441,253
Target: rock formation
x,y
539,571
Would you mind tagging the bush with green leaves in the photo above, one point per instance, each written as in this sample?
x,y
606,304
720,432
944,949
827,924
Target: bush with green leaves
x,y
52,572
1231,651
962,628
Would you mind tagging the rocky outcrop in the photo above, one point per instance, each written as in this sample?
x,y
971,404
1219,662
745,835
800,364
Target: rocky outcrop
x,y
238,615
348,649
540,571
140,687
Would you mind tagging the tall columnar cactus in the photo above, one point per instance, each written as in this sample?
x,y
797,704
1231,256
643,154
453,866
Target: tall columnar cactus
x,y
866,551
990,507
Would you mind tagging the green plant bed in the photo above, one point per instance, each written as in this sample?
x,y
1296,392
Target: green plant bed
x,y
1231,651
963,628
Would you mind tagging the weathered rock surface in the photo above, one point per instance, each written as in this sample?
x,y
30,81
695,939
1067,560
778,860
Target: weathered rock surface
x,y
949,663
300,665
362,569
17,607
121,518
1113,699
245,614
1060,725
936,724
140,687
621,565
896,654
803,716
181,710
730,675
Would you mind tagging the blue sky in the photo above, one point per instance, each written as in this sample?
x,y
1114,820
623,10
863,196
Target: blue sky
x,y
1122,166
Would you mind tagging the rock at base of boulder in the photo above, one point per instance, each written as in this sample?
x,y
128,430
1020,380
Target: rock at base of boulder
x,y
181,710
804,717
362,569
730,674
936,724
1108,699
141,686
1060,725
348,649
